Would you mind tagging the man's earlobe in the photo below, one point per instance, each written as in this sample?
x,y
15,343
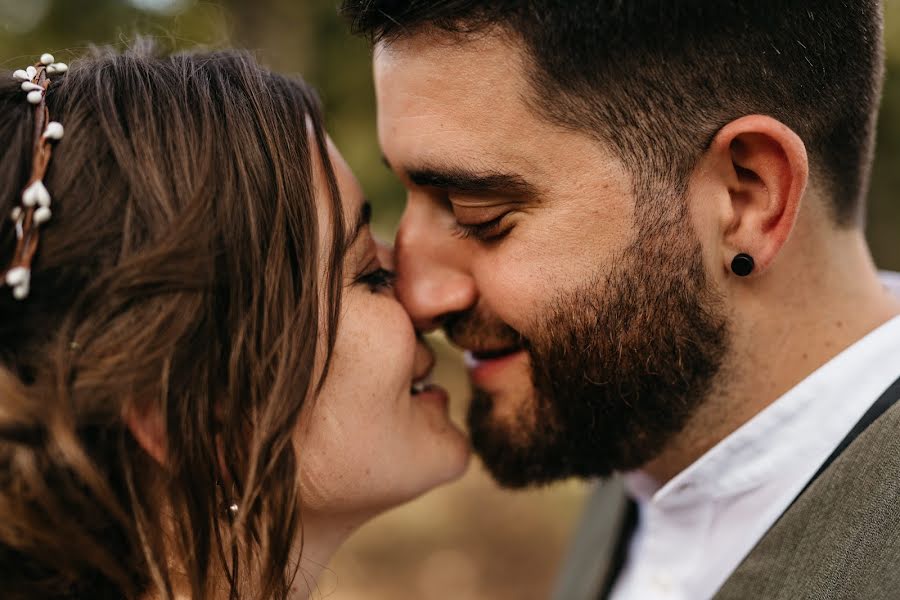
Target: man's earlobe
x,y
768,170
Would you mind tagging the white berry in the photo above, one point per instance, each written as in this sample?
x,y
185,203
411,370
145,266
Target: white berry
x,y
16,276
36,195
42,215
54,130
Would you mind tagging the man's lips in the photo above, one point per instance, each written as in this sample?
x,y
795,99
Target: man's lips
x,y
489,365
492,354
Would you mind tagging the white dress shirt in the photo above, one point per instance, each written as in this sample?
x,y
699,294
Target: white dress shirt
x,y
891,281
694,531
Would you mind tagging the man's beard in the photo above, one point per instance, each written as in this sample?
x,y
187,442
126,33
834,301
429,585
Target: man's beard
x,y
618,367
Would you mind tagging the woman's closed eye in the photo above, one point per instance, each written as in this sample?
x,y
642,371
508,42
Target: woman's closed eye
x,y
377,279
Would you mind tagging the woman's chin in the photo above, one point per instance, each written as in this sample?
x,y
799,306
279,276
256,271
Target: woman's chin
x,y
441,458
462,456
451,457
448,464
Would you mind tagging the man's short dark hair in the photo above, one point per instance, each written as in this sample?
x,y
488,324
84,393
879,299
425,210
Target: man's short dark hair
x,y
658,78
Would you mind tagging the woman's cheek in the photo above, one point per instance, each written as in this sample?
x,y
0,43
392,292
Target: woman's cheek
x,y
330,459
356,421
387,341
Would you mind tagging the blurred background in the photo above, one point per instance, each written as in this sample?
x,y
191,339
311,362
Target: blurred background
x,y
470,540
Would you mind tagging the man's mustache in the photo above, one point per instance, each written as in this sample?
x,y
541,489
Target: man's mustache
x,y
477,330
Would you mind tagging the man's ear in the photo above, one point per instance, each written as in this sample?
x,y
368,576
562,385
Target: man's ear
x,y
147,427
765,167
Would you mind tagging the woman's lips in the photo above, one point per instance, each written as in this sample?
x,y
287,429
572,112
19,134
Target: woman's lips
x,y
487,366
431,393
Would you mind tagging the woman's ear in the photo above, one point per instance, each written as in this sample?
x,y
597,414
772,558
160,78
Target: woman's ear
x,y
147,427
765,168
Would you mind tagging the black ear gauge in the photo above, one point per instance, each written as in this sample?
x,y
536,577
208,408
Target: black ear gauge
x,y
742,265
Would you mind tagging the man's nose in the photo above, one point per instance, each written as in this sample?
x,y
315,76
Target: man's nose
x,y
434,279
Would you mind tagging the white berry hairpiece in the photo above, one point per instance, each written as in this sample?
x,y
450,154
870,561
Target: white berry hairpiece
x,y
34,209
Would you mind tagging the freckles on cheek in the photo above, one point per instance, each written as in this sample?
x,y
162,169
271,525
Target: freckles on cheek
x,y
389,340
360,409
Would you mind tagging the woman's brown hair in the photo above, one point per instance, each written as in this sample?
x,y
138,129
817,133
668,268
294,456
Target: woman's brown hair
x,y
180,280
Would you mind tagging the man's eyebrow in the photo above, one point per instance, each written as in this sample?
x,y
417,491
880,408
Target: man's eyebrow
x,y
363,218
465,181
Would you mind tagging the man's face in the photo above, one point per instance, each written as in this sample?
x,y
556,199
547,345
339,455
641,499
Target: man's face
x,y
591,335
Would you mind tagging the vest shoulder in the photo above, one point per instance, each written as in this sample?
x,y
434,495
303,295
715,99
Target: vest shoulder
x,y
841,538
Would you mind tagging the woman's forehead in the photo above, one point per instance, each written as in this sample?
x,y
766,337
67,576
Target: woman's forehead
x,y
355,209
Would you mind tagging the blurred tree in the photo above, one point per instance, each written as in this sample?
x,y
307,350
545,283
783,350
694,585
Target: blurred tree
x,y
884,197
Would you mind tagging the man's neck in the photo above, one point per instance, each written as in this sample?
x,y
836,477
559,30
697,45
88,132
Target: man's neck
x,y
779,339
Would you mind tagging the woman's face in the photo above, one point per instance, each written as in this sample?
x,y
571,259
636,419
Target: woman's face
x,y
371,438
